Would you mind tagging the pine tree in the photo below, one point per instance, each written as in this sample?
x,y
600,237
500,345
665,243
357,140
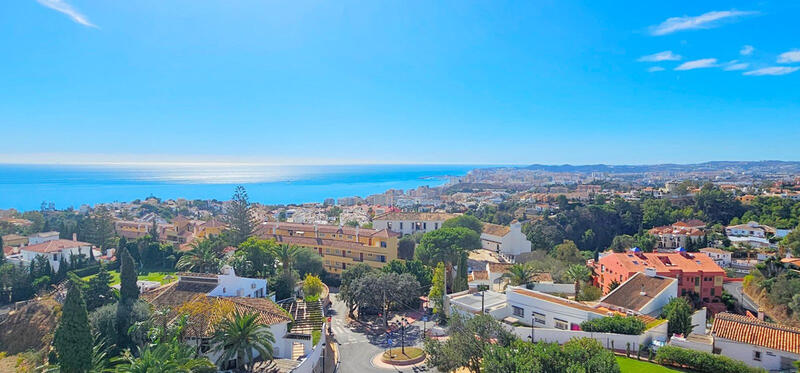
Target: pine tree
x,y
240,216
73,337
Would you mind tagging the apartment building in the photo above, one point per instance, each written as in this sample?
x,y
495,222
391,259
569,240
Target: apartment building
x,y
411,222
695,272
679,234
339,246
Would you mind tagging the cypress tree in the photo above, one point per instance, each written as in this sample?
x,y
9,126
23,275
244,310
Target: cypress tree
x,y
73,337
2,252
128,290
99,293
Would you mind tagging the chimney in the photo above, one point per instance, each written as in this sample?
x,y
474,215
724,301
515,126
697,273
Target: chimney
x,y
74,237
642,293
761,314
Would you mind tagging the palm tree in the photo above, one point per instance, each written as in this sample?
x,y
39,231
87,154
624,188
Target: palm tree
x,y
236,337
286,254
165,357
519,274
577,273
203,257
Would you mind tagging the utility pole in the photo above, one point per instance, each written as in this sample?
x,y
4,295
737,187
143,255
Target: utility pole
x,y
482,296
383,307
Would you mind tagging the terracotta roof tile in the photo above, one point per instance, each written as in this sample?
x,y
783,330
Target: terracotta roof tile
x,y
495,230
756,332
54,246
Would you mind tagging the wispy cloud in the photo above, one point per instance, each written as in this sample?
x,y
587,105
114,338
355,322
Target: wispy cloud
x,y
790,56
660,56
63,7
655,69
746,50
697,64
735,66
704,21
772,70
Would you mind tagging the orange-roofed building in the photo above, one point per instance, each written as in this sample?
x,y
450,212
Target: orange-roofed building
x,y
695,272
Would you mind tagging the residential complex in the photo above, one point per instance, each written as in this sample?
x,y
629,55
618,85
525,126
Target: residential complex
x,y
411,222
339,246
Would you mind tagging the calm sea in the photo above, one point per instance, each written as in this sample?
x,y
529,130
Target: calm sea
x,y
25,187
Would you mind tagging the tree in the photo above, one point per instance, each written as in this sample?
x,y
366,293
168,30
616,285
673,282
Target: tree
x,y
2,252
128,294
568,252
312,286
577,355
347,290
99,228
792,242
436,294
718,205
465,221
203,257
405,248
73,338
286,255
577,273
104,322
622,242
240,216
384,291
254,258
165,357
468,342
678,312
519,274
238,336
447,245
307,261
99,293
415,268
613,285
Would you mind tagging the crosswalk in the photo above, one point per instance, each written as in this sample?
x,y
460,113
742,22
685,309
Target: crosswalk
x,y
345,336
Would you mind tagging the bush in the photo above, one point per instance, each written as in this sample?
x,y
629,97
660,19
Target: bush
x,y
615,324
103,320
701,361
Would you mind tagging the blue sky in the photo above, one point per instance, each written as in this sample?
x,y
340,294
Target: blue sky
x,y
399,81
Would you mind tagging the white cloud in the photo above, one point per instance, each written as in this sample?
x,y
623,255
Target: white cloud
x,y
655,69
736,65
61,6
790,56
698,64
773,70
660,56
746,50
707,20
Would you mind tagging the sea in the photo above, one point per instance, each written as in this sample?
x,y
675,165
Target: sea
x,y
26,187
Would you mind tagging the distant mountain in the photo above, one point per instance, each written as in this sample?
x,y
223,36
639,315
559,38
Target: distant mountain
x,y
736,166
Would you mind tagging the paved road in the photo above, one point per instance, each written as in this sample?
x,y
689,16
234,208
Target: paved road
x,y
357,346
735,289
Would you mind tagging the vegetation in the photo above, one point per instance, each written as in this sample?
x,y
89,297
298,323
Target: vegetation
x,y
679,314
420,271
464,221
628,365
618,324
405,248
312,286
519,274
347,288
436,294
701,361
467,344
98,292
578,273
577,355
449,246
240,217
204,257
73,338
238,336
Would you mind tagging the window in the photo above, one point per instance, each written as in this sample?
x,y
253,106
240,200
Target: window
x,y
424,225
383,244
518,311
757,355
205,345
401,225
712,292
561,324
435,225
539,318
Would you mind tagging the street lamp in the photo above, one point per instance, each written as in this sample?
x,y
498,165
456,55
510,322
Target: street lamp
x,y
402,325
323,357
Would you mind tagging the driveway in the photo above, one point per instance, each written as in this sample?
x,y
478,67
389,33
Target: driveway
x,y
735,289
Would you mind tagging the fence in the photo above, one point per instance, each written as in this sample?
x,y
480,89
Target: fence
x,y
614,341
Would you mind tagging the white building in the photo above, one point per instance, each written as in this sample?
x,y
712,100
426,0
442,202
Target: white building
x,y
643,293
751,229
54,251
721,257
410,222
42,237
508,240
755,342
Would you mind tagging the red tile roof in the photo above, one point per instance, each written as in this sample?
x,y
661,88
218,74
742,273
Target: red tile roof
x,y
55,246
756,332
664,262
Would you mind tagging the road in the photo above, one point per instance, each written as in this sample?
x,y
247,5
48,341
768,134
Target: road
x,y
735,289
359,345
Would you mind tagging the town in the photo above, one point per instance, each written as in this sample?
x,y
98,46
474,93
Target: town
x,y
700,271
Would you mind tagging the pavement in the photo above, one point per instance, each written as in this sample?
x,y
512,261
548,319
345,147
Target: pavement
x,y
735,289
358,343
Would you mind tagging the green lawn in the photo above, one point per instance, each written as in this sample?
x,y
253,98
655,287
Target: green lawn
x,y
150,276
627,365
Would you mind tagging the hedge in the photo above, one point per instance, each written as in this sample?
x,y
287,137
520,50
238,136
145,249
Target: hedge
x,y
618,324
93,269
701,361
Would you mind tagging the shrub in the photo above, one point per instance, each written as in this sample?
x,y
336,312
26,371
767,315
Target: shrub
x,y
701,361
615,324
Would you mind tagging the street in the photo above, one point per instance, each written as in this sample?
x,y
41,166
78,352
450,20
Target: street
x,y
735,289
360,343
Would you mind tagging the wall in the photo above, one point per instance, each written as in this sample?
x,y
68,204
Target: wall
x,y
699,321
770,359
550,310
311,363
568,289
620,341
